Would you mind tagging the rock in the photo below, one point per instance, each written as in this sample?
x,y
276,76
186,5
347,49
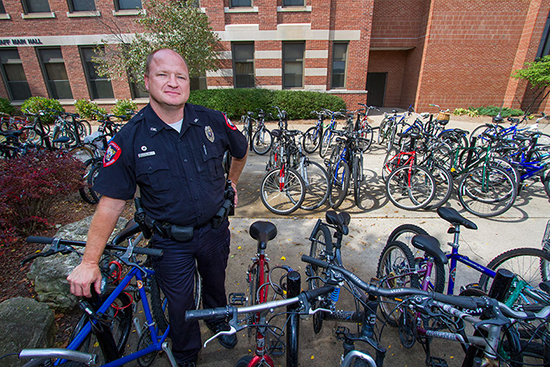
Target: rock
x,y
50,273
24,323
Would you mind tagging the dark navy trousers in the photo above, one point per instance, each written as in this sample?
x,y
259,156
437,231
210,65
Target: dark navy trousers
x,y
175,272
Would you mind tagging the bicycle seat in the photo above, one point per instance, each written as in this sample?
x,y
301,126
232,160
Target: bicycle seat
x,y
263,232
340,220
430,245
131,229
276,133
453,217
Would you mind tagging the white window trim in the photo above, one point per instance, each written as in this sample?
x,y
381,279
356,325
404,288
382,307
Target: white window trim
x,y
44,15
83,14
241,9
284,9
4,16
128,12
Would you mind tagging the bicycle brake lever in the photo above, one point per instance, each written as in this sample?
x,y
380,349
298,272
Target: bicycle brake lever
x,y
231,331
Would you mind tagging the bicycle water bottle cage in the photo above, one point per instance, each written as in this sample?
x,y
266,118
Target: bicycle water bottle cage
x,y
430,245
263,232
453,217
340,220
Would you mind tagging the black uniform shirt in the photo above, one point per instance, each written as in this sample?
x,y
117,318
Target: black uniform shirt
x,y
180,175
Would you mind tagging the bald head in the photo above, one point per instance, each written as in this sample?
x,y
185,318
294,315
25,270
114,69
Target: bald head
x,y
158,54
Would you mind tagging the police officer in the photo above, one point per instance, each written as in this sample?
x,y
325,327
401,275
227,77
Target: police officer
x,y
173,151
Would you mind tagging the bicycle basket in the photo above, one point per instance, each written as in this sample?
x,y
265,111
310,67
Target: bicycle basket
x,y
443,118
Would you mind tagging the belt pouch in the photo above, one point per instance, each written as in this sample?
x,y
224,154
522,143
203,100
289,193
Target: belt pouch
x,y
181,234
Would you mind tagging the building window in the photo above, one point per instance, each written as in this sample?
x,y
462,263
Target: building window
x,y
127,4
293,64
544,47
293,2
81,5
13,74
99,87
36,6
240,3
339,56
55,74
243,65
2,9
198,82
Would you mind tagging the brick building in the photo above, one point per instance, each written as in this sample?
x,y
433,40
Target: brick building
x,y
455,53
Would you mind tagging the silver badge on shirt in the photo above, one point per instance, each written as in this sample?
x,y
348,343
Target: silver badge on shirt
x,y
209,133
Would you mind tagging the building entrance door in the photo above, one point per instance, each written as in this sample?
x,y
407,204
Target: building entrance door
x,y
376,87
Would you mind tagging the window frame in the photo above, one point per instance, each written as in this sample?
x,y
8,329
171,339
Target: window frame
x,y
7,83
26,8
303,3
235,61
232,5
285,60
118,8
345,60
89,81
70,4
2,7
544,45
52,92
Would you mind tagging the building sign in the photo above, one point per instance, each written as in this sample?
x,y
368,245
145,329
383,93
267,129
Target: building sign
x,y
20,41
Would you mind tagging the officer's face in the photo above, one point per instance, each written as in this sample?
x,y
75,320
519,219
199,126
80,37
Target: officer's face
x,y
168,80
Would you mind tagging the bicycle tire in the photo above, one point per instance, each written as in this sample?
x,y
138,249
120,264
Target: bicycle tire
x,y
358,180
443,186
120,325
325,143
392,161
529,264
292,339
546,183
262,141
84,191
410,187
92,176
316,185
492,191
509,344
283,199
244,361
311,140
478,132
404,233
82,153
321,239
454,139
508,167
366,133
392,271
339,176
87,127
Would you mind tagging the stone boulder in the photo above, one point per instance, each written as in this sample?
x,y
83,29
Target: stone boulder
x,y
24,323
50,273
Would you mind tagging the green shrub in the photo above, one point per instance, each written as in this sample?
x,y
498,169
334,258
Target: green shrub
x,y
88,109
494,110
466,111
124,107
50,106
6,106
31,184
236,102
299,104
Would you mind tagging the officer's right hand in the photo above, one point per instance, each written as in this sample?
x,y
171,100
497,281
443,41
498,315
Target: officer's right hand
x,y
82,277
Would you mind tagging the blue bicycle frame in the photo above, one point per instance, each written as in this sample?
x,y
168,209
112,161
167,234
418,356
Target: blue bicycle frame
x,y
455,258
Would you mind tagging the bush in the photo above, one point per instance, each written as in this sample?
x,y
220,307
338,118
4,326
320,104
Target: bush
x,y
35,104
299,104
124,107
31,184
466,111
6,106
87,109
236,102
494,110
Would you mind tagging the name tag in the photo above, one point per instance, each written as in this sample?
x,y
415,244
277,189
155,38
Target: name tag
x,y
146,154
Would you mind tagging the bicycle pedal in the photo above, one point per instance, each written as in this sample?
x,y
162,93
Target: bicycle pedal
x,y
237,299
341,332
277,348
437,362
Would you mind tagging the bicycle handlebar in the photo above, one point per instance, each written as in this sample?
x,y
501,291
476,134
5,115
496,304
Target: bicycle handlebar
x,y
466,302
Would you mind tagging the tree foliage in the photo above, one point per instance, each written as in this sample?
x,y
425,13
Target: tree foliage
x,y
176,25
537,73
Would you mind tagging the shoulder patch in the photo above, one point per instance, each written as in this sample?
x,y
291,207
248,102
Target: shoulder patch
x,y
229,123
111,154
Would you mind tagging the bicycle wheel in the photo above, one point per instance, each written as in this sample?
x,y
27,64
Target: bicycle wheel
x,y
292,339
92,176
487,191
311,139
546,183
529,265
86,127
404,233
325,146
508,353
61,133
410,187
508,167
118,319
358,179
338,183
321,239
262,141
477,137
395,270
392,161
316,185
367,135
82,153
282,190
85,191
454,139
443,186
244,361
